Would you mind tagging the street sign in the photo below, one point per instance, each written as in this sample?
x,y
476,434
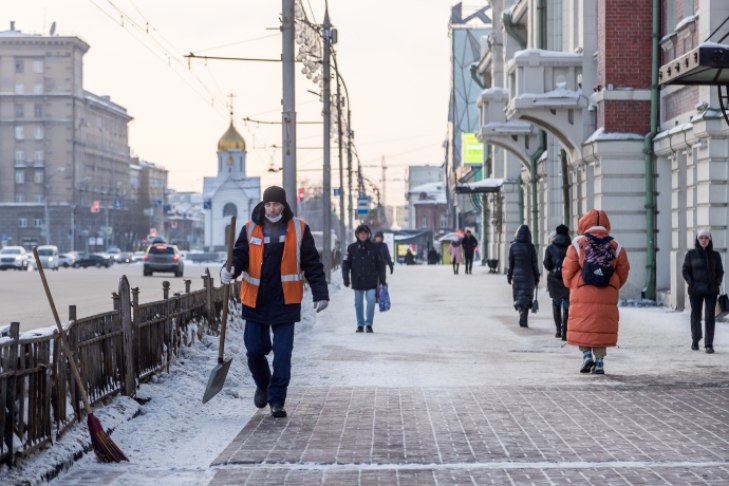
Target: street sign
x,y
117,204
337,191
363,206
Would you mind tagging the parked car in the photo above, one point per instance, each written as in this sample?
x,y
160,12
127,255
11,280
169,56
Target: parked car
x,y
138,256
48,256
14,257
162,257
92,260
67,260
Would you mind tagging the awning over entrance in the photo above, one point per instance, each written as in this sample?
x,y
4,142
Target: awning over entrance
x,y
707,64
480,187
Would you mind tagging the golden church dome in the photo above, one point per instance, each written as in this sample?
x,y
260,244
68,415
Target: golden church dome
x,y
231,140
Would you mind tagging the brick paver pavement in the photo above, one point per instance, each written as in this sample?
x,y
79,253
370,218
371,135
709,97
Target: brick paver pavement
x,y
422,436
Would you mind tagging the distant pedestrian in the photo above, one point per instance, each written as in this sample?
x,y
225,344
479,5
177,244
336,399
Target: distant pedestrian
x,y
433,256
560,294
364,268
469,244
594,269
523,273
378,240
274,252
703,271
409,257
455,255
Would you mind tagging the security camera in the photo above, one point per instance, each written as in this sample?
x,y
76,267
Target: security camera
x,y
591,108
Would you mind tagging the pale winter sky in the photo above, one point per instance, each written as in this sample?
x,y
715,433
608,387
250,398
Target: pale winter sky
x,y
393,55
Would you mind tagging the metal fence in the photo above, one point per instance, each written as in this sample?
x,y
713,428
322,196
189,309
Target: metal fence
x,y
115,350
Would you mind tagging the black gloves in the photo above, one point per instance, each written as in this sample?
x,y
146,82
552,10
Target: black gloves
x,y
392,269
346,283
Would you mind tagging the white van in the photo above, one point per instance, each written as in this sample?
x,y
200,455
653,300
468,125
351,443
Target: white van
x,y
48,255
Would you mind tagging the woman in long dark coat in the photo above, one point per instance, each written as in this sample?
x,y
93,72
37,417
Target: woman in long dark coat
x,y
560,294
523,272
703,271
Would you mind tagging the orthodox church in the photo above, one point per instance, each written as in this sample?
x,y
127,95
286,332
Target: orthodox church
x,y
230,193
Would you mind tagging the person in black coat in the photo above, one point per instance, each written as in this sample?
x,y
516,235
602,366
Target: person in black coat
x,y
560,294
384,250
271,314
364,268
523,272
703,271
469,244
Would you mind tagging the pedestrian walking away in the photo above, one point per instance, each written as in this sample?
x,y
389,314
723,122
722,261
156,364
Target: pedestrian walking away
x,y
523,272
553,258
469,244
274,252
594,269
703,272
455,255
364,268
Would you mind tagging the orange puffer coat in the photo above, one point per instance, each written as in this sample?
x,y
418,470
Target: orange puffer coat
x,y
593,315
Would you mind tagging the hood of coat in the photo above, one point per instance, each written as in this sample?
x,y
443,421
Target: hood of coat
x,y
523,234
361,228
259,213
594,220
562,240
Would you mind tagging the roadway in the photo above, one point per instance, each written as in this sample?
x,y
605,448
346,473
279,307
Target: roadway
x,y
89,289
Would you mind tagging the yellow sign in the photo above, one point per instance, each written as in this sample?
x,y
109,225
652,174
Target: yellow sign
x,y
472,149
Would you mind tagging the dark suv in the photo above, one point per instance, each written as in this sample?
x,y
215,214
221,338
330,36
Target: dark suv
x,y
162,257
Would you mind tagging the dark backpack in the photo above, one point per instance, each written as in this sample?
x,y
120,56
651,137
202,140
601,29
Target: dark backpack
x,y
597,268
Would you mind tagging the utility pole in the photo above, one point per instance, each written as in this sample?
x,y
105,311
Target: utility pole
x,y
342,235
384,179
288,115
350,135
327,37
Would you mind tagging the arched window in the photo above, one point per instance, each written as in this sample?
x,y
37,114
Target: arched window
x,y
230,209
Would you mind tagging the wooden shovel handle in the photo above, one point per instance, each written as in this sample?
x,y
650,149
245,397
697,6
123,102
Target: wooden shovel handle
x,y
226,290
64,339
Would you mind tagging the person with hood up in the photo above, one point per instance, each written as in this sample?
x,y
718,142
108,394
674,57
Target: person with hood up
x,y
469,244
364,268
593,313
378,240
703,271
455,255
523,272
274,252
560,294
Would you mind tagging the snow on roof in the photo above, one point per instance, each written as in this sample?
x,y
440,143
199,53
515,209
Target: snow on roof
x,y
559,93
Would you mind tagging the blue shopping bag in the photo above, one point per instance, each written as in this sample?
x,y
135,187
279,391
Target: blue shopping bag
x,y
384,298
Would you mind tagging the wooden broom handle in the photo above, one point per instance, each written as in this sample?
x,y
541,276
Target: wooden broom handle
x,y
226,289
64,339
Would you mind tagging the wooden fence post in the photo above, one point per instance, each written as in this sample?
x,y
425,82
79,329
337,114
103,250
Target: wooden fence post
x,y
168,321
11,367
125,313
210,308
135,330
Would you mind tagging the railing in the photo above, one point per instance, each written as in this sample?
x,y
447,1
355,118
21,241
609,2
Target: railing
x,y
115,351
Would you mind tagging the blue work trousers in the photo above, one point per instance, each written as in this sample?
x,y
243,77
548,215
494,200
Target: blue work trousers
x,y
257,338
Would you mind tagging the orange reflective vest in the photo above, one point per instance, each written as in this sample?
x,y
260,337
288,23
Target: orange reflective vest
x,y
292,279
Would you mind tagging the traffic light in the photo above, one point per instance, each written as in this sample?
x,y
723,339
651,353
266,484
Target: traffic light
x,y
300,196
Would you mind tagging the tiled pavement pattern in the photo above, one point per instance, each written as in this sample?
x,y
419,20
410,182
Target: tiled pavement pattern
x,y
424,436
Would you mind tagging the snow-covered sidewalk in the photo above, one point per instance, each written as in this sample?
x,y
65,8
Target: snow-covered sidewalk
x,y
444,331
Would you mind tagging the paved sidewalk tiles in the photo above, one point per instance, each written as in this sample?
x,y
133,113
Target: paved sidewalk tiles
x,y
596,435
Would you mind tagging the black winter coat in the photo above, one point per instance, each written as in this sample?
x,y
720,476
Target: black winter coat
x,y
523,272
553,258
385,254
363,266
702,270
469,244
270,307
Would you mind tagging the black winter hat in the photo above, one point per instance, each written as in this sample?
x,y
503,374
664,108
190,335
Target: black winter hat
x,y
274,194
562,230
379,233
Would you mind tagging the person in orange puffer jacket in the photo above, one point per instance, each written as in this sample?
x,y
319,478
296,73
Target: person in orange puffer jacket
x,y
593,317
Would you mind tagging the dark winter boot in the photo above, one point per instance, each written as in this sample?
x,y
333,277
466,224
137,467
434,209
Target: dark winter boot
x,y
557,316
260,399
564,327
523,316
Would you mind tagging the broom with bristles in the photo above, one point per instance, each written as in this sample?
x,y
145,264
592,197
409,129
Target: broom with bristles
x,y
104,448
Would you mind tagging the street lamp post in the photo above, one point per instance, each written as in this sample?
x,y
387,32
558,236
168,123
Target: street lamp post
x,y
288,116
327,184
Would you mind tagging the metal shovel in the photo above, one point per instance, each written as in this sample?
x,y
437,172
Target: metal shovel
x,y
217,376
